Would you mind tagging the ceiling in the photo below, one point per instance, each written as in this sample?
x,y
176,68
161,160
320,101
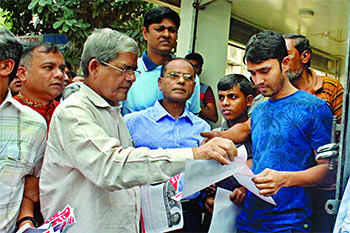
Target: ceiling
x,y
326,29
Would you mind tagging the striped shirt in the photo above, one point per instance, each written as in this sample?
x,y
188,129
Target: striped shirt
x,y
331,91
22,143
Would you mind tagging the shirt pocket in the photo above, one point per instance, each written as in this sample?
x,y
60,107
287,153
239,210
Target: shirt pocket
x,y
15,164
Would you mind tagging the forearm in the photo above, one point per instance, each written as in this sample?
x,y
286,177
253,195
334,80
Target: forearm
x,y
237,133
311,177
26,210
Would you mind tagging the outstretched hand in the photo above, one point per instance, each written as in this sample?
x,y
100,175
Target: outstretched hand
x,y
219,149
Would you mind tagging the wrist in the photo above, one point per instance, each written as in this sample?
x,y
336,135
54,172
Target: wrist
x,y
26,219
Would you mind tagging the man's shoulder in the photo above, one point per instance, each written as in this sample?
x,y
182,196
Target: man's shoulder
x,y
331,81
135,116
197,121
27,113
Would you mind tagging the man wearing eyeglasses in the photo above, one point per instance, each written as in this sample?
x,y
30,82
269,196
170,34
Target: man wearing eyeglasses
x,y
161,25
90,162
169,124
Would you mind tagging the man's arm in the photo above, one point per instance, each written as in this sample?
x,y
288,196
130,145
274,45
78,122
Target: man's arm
x,y
237,133
209,112
30,196
271,181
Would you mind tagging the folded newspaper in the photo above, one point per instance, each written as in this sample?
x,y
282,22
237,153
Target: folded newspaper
x,y
58,223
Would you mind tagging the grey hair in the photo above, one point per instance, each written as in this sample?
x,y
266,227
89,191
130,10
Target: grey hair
x,y
104,45
10,48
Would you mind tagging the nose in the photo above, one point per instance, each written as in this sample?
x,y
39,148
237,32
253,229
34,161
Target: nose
x,y
181,79
166,33
60,74
224,101
131,77
258,79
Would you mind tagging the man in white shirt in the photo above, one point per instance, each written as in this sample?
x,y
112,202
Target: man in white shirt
x,y
90,162
22,143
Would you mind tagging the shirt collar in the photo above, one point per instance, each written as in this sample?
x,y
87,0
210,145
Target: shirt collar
x,y
160,112
148,63
95,98
8,98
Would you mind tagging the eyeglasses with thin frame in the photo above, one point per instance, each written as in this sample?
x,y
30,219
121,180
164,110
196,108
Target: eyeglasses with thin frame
x,y
127,71
176,75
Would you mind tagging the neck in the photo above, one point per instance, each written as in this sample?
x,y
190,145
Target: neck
x,y
158,58
306,82
175,109
287,90
240,119
3,88
34,98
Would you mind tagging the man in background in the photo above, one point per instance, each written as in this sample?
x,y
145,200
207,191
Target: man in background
x,y
208,105
161,25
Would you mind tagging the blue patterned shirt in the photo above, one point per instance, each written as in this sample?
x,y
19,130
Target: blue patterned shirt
x,y
284,134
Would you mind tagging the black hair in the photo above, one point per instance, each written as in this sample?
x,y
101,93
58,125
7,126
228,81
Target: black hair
x,y
301,44
29,48
195,56
157,14
232,80
163,70
264,46
10,48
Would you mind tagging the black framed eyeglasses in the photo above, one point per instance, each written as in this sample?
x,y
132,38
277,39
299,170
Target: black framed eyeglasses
x,y
127,71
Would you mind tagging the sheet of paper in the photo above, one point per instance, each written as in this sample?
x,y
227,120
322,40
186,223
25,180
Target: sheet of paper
x,y
58,223
200,174
160,213
224,214
244,177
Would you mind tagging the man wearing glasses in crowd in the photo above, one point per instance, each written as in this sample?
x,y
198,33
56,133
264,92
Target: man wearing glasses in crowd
x,y
90,162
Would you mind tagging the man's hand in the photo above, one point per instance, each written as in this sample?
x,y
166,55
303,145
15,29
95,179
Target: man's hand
x,y
218,149
209,135
270,181
209,203
238,195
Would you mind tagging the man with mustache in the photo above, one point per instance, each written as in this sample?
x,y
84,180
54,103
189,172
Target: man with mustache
x,y
161,25
331,91
300,75
169,124
42,75
90,162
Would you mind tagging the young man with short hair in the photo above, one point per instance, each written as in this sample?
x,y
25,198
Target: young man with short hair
x,y
286,129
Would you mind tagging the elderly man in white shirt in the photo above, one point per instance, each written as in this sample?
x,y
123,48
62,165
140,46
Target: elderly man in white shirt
x,y
90,162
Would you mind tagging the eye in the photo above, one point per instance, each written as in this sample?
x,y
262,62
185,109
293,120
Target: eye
x,y
188,77
232,96
48,67
220,97
172,30
174,75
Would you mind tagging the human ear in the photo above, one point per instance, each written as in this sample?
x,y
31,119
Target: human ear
x,y
305,56
6,67
22,73
249,100
285,64
93,66
160,83
145,33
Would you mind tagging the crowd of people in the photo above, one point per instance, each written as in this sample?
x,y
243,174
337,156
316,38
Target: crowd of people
x,y
130,121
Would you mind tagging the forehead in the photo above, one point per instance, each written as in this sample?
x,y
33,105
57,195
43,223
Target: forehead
x,y
164,23
264,64
40,54
234,90
194,62
180,66
290,43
